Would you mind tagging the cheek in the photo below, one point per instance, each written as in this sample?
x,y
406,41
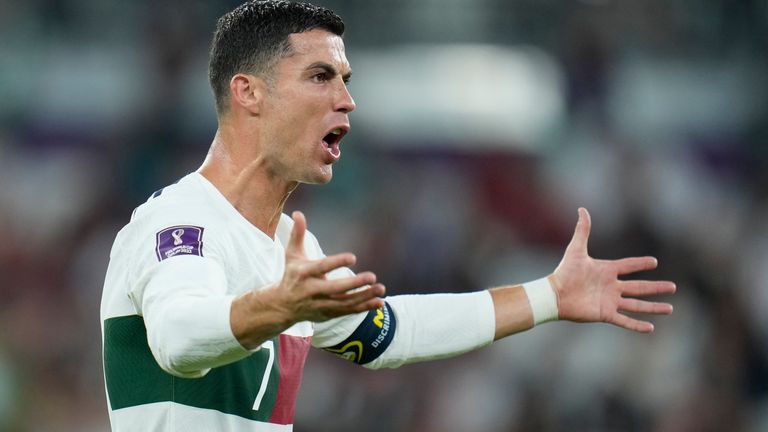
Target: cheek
x,y
284,126
289,138
295,121
303,128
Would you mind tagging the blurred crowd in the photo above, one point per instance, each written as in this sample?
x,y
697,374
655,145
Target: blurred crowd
x,y
663,137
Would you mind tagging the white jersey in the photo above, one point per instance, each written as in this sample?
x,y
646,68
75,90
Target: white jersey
x,y
173,273
191,223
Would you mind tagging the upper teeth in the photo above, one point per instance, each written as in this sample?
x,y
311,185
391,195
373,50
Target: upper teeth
x,y
336,131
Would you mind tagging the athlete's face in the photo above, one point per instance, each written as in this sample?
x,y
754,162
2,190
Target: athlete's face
x,y
306,111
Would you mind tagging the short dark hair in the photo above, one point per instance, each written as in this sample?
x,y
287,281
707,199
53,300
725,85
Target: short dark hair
x,y
253,37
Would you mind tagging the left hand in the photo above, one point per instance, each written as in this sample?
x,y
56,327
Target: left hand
x,y
589,290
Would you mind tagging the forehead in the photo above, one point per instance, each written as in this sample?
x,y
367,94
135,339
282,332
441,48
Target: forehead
x,y
317,46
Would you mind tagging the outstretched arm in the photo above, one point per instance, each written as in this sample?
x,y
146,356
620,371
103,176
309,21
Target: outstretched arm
x,y
583,289
433,326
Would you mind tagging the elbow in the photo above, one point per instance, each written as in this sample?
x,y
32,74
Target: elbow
x,y
174,351
192,335
385,362
177,361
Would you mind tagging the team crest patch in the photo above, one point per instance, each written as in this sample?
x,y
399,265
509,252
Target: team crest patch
x,y
179,240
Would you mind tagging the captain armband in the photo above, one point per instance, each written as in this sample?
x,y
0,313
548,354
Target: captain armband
x,y
370,339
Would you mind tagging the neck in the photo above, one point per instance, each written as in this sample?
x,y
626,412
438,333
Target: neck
x,y
245,180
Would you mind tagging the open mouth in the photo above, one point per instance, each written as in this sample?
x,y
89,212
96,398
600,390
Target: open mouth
x,y
333,139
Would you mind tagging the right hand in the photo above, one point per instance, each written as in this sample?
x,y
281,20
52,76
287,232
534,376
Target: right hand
x,y
305,294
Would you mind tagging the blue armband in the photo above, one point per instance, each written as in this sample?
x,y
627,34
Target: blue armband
x,y
370,339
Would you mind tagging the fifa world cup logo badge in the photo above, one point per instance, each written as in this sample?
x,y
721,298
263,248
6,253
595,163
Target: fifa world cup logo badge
x,y
177,237
179,240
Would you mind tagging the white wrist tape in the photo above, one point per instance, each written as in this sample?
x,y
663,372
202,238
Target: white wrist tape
x,y
543,300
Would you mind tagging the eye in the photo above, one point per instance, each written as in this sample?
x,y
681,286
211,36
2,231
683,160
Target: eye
x,y
320,77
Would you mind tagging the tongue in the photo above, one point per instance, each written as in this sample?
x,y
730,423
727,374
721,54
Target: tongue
x,y
334,149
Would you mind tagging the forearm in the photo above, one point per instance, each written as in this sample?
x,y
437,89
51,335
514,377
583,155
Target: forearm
x,y
193,336
426,327
445,325
186,311
256,317
511,310
434,326
519,307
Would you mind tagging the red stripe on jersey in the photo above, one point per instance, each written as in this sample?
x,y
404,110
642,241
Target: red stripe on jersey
x,y
292,354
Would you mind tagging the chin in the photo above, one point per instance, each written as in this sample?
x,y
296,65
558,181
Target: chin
x,y
325,180
322,177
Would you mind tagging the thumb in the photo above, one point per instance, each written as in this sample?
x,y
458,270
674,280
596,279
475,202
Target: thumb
x,y
296,242
581,233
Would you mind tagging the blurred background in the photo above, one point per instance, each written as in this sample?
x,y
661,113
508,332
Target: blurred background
x,y
481,126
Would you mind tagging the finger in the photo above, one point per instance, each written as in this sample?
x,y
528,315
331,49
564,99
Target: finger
x,y
635,264
642,306
339,287
632,324
374,303
361,295
356,302
296,242
324,265
647,288
581,233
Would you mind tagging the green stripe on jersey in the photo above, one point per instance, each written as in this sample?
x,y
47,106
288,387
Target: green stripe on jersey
x,y
134,378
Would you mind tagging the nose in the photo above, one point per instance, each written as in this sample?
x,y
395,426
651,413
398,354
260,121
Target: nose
x,y
344,102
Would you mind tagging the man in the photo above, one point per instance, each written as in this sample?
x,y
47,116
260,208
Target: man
x,y
213,296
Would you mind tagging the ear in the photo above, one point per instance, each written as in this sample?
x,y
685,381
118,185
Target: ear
x,y
247,91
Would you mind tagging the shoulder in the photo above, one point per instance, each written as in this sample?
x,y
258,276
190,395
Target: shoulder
x,y
188,202
177,219
185,199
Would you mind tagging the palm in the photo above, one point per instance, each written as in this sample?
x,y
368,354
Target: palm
x,y
309,296
590,290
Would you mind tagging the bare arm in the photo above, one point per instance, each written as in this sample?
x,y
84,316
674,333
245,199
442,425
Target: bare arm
x,y
303,294
587,290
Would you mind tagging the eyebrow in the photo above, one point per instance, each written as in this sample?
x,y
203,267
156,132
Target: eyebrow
x,y
330,70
